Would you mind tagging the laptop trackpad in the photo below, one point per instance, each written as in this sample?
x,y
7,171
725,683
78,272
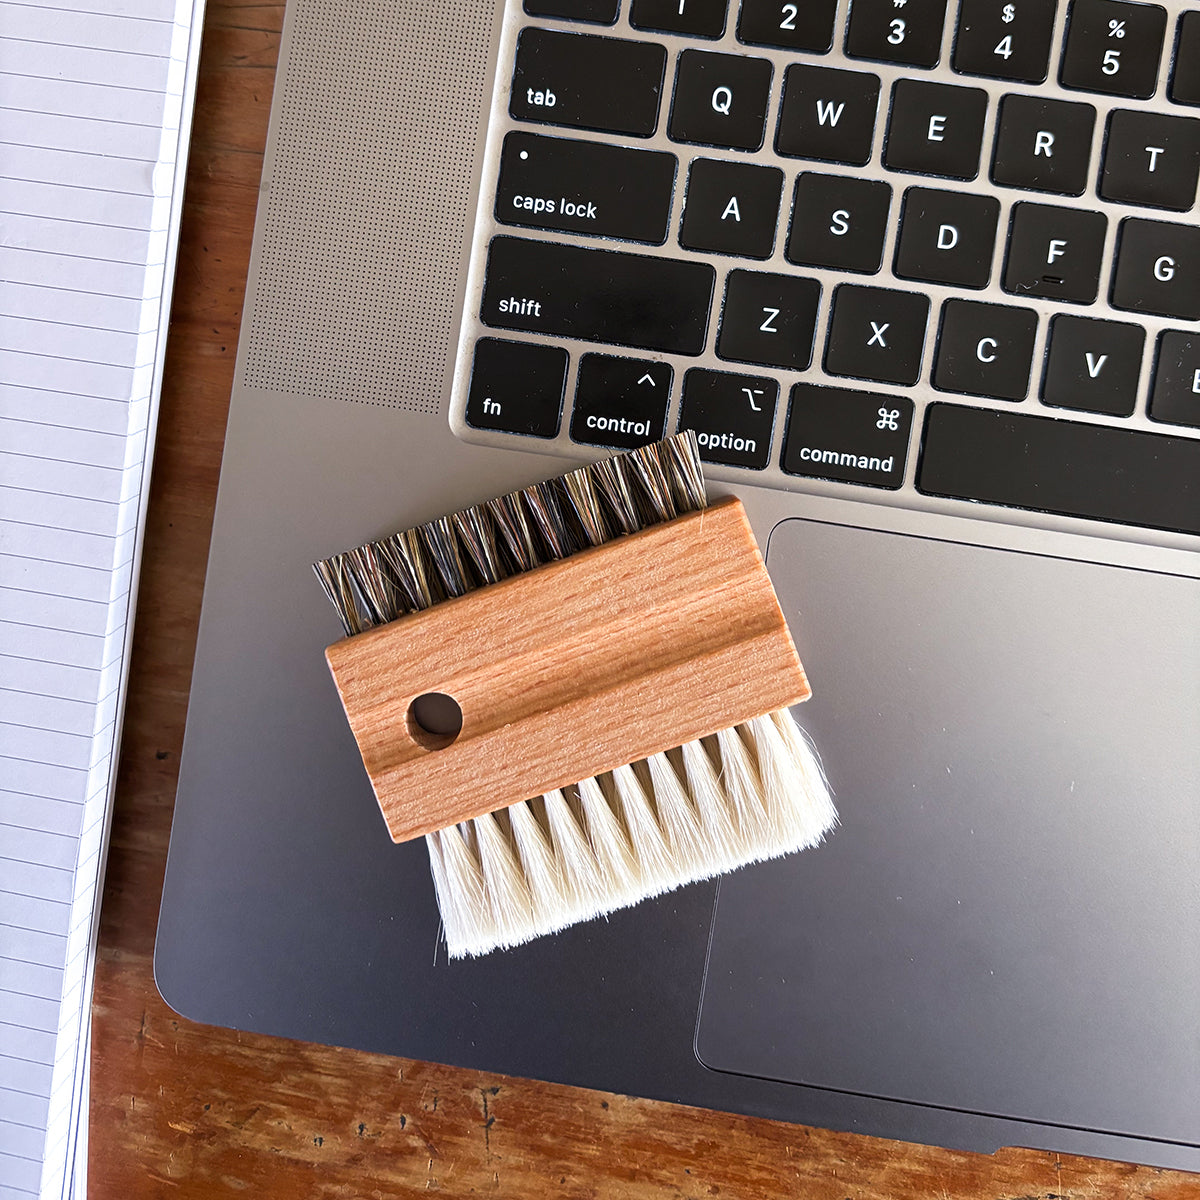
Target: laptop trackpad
x,y
1008,919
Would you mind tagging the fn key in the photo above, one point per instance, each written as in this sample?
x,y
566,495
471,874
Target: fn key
x,y
516,387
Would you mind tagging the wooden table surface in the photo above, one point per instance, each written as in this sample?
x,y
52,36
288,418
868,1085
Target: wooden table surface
x,y
187,1110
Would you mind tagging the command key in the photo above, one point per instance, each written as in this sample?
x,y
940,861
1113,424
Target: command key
x,y
847,435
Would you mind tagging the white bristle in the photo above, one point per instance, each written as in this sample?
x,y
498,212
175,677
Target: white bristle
x,y
447,902
580,872
461,897
751,793
504,883
645,835
739,777
542,872
609,839
788,822
678,819
725,841
819,812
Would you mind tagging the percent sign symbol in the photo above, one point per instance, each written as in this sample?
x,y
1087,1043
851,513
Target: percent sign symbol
x,y
1116,29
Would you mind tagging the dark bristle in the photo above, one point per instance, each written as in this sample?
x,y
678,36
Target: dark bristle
x,y
444,549
478,537
408,568
542,503
580,487
618,499
416,568
516,533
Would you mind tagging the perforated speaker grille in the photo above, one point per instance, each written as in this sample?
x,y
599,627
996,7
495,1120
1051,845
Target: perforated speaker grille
x,y
369,201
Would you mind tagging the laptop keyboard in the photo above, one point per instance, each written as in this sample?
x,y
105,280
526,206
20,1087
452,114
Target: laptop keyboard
x,y
937,250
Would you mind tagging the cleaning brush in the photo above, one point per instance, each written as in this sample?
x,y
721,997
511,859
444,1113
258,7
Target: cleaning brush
x,y
617,674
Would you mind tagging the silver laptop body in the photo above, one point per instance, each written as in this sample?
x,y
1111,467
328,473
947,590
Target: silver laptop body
x,y
1001,943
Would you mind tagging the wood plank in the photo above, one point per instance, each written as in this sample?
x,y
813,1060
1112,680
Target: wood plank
x,y
581,666
191,1111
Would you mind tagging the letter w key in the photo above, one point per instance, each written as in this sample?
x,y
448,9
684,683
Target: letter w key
x,y
827,114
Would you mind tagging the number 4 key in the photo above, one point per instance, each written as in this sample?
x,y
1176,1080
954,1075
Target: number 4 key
x,y
1005,39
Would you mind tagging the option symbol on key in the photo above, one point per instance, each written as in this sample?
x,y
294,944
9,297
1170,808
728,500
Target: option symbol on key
x,y
729,430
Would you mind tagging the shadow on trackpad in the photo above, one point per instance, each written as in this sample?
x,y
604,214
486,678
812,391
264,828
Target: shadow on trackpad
x,y
1007,921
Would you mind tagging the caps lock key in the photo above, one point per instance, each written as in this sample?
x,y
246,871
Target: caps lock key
x,y
585,187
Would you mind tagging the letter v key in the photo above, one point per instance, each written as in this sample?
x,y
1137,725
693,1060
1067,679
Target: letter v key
x,y
1094,364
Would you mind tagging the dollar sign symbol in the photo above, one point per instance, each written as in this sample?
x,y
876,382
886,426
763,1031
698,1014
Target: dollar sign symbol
x,y
1009,12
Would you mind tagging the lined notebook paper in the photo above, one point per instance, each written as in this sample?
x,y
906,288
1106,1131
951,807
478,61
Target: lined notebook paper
x,y
93,96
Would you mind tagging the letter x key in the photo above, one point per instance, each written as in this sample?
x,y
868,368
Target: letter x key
x,y
876,333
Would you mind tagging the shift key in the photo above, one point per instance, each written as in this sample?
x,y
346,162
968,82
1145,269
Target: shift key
x,y
651,303
585,187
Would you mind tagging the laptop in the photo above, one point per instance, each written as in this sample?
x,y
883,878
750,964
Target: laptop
x,y
924,277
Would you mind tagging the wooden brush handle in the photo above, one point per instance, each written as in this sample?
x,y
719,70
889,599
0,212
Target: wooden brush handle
x,y
570,670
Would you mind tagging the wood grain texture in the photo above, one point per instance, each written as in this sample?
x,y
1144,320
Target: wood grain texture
x,y
570,670
200,1113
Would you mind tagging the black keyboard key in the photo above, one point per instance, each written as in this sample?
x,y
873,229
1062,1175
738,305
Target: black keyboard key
x,y
620,402
805,25
1152,159
699,18
1185,79
985,350
587,82
947,237
597,295
935,129
1049,465
720,100
585,187
733,416
839,221
731,208
1113,47
827,114
516,387
597,12
1005,39
1043,145
1158,269
768,319
876,333
906,32
1093,366
1175,397
1054,252
848,436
